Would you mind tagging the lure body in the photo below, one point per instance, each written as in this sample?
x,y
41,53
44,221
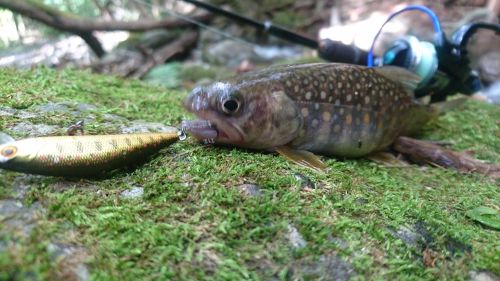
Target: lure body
x,y
79,156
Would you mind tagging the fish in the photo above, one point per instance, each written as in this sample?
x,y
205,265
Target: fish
x,y
82,156
301,110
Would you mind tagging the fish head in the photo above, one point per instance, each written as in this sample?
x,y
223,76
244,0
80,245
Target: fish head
x,y
247,114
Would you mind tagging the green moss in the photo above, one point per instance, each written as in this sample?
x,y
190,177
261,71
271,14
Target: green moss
x,y
193,223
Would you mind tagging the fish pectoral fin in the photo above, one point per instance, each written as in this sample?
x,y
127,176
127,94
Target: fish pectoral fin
x,y
302,157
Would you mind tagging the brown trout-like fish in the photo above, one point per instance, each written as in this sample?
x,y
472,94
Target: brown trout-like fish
x,y
81,156
296,110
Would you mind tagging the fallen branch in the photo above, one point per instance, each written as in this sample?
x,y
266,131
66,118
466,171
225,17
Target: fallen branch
x,y
186,41
85,27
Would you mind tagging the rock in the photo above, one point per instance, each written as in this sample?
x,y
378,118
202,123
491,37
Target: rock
x,y
305,182
22,184
231,53
416,236
4,138
83,107
17,218
70,259
327,267
249,189
21,114
295,238
489,67
276,53
409,236
135,192
60,108
139,126
482,276
491,93
7,111
34,130
113,118
339,242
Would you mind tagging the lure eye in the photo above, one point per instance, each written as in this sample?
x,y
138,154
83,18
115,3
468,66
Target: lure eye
x,y
230,106
9,151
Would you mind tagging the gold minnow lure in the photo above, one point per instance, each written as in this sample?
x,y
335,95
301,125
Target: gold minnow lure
x,y
81,156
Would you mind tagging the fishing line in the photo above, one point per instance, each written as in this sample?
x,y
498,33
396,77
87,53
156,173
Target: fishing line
x,y
429,12
200,24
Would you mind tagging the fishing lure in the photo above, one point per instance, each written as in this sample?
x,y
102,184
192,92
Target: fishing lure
x,y
82,156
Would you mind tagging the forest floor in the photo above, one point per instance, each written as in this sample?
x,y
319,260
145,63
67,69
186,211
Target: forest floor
x,y
204,212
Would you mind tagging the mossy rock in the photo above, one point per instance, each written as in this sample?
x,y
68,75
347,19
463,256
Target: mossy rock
x,y
191,221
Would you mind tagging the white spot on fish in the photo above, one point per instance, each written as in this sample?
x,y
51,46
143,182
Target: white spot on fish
x,y
304,111
349,97
315,123
308,95
326,116
323,95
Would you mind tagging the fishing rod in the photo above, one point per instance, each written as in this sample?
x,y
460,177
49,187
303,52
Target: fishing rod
x,y
267,26
442,64
327,49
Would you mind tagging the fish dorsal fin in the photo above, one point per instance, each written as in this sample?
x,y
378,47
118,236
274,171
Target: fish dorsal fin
x,y
397,74
4,138
302,158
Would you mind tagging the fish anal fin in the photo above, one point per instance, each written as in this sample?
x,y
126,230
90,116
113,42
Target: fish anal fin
x,y
302,157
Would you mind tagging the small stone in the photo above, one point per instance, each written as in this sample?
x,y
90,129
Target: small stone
x,y
305,182
133,193
482,275
70,260
7,111
4,138
17,218
34,130
295,238
138,126
26,114
113,118
409,236
83,107
52,108
250,189
327,267
489,67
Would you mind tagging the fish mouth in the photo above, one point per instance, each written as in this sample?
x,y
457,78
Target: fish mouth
x,y
219,131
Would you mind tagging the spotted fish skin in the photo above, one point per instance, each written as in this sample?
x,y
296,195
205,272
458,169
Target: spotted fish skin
x,y
326,108
81,156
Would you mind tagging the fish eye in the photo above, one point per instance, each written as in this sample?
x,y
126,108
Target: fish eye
x,y
230,106
8,151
